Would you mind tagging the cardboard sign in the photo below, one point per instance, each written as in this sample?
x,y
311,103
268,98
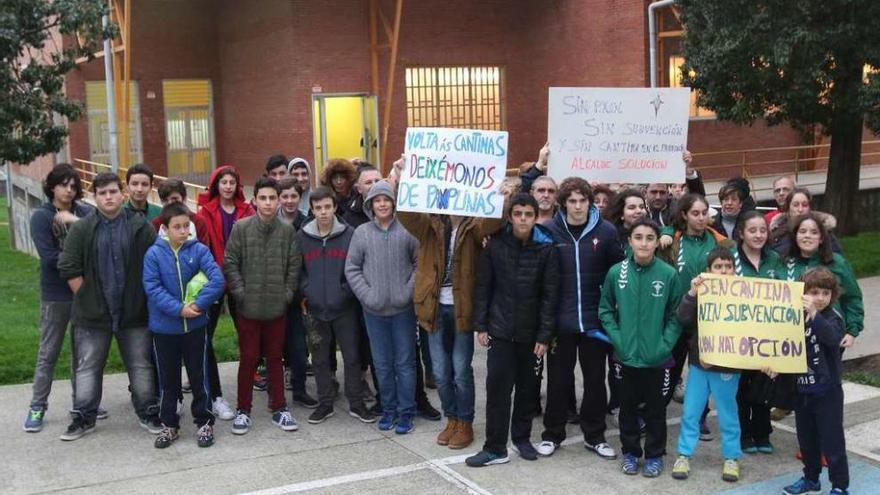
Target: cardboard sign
x,y
453,172
632,135
751,323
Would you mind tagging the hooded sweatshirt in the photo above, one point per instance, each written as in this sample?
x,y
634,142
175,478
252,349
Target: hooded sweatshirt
x,y
322,280
381,264
304,204
688,254
210,211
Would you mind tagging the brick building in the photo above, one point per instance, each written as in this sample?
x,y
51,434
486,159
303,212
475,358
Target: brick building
x,y
233,81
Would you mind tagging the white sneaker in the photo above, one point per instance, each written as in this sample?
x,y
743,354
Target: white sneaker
x,y
603,450
546,448
222,410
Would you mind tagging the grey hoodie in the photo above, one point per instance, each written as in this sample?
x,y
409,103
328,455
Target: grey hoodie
x,y
381,264
304,204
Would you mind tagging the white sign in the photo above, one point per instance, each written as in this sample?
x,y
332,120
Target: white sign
x,y
633,135
453,172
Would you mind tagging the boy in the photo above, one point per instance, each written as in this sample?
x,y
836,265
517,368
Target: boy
x,y
179,319
638,313
380,269
299,169
49,226
174,191
703,380
515,298
819,406
103,264
262,296
139,182
276,167
325,242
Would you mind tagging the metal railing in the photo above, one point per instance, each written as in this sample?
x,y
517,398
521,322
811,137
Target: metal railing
x,y
89,169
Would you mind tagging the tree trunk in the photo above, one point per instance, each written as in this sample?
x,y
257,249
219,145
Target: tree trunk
x,y
844,165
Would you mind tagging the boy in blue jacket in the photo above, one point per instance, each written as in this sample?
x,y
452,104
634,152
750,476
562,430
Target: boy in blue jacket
x,y
178,320
819,405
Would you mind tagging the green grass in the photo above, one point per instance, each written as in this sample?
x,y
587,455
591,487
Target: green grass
x,y
863,253
20,316
863,378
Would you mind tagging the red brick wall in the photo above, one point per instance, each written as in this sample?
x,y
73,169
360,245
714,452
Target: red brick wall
x,y
263,62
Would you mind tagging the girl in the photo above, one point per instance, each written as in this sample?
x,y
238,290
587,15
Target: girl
x,y
798,203
754,258
340,175
626,207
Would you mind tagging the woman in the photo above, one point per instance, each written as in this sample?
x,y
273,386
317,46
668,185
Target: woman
x,y
340,176
602,195
798,203
754,258
623,211
220,207
810,246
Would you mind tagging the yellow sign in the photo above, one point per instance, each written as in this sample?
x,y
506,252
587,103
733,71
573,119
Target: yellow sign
x,y
751,323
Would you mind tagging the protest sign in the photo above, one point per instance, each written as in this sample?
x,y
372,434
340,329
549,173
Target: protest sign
x,y
633,135
751,323
453,172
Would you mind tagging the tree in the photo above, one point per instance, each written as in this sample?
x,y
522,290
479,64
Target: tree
x,y
802,63
33,67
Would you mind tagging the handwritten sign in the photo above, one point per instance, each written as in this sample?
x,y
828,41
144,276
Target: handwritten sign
x,y
453,172
633,135
751,323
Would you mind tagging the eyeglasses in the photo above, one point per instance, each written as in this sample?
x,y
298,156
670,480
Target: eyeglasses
x,y
542,190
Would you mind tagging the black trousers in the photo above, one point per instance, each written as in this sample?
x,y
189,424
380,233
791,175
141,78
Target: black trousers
x,y
566,351
511,368
679,354
192,348
819,422
754,419
646,386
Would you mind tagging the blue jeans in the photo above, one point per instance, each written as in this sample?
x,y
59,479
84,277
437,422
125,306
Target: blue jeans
x,y
723,387
452,367
295,355
393,345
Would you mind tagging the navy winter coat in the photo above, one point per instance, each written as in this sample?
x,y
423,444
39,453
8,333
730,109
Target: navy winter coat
x,y
583,264
166,274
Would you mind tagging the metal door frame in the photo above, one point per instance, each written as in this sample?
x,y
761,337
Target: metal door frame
x,y
322,119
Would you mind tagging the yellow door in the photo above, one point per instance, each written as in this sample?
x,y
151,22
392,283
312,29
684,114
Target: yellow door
x,y
344,127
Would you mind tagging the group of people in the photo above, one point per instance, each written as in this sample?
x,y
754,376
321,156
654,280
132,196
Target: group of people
x,y
601,275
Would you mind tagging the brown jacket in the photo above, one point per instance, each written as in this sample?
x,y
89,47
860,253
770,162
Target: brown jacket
x,y
428,229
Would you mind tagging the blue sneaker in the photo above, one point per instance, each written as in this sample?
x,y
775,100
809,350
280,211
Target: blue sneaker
x,y
386,422
764,448
653,467
405,425
483,458
838,491
630,464
802,487
34,421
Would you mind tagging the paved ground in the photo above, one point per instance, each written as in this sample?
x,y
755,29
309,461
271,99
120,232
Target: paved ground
x,y
868,343
345,456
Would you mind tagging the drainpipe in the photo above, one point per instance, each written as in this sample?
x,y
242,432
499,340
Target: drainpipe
x,y
111,100
652,37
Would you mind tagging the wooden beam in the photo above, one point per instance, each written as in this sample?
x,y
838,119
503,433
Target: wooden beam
x,y
389,93
386,25
100,54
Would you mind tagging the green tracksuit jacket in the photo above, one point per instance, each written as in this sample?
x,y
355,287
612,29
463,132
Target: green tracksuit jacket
x,y
638,309
850,303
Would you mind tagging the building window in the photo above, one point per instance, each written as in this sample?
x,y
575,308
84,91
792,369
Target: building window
x,y
189,128
99,126
670,51
463,97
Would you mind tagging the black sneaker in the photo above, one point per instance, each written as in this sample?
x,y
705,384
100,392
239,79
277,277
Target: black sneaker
x,y
526,450
206,435
321,414
362,414
377,410
305,400
78,427
152,424
427,411
166,437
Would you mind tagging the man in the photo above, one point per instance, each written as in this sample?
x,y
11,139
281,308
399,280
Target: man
x,y
102,262
587,247
139,181
331,306
276,167
544,191
367,175
449,247
299,169
262,296
288,202
515,301
174,191
782,187
49,227
660,201
380,269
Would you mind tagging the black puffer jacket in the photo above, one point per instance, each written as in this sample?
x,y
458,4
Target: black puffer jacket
x,y
517,287
584,262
